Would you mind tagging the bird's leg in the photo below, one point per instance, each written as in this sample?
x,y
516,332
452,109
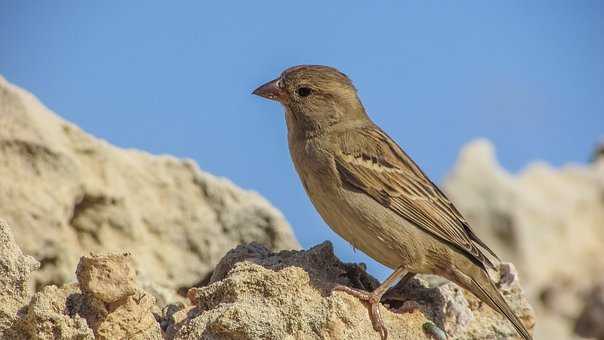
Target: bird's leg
x,y
374,298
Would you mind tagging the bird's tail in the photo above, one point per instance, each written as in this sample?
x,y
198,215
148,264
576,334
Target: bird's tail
x,y
481,285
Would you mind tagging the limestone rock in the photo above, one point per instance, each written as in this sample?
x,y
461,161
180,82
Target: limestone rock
x,y
548,222
66,194
590,323
98,307
108,278
254,293
123,311
15,291
129,318
53,315
258,294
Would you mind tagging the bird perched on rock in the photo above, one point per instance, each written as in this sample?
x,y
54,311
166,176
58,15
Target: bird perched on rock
x,y
370,192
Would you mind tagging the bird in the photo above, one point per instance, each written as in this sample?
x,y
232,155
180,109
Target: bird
x,y
372,194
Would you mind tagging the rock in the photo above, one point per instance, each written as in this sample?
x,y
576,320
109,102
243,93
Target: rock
x,y
78,194
443,302
15,291
53,314
590,323
129,318
253,294
108,278
123,311
163,296
104,305
258,294
547,221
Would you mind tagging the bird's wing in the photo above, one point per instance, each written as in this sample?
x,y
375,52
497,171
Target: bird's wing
x,y
373,163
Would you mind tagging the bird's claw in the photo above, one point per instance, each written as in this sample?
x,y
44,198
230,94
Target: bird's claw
x,y
374,302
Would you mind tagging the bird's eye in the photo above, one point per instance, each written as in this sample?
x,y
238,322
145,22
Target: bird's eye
x,y
303,91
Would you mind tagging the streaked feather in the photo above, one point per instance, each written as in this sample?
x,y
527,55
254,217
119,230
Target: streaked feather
x,y
371,162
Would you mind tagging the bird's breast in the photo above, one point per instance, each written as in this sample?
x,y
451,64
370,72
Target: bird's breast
x,y
315,166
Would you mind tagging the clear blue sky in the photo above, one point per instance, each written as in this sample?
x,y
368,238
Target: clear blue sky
x,y
176,78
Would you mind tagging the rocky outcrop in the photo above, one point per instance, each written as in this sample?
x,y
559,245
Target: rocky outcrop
x,y
258,294
253,294
105,304
549,222
51,317
67,193
15,276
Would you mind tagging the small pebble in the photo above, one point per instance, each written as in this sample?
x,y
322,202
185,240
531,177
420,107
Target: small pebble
x,y
433,331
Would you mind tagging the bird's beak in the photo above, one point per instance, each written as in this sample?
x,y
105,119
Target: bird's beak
x,y
270,90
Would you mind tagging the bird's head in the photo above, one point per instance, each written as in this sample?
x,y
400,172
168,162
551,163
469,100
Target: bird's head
x,y
314,97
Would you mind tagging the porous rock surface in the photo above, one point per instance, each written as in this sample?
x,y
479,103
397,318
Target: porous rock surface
x,y
258,294
253,294
15,290
104,308
66,193
549,222
109,277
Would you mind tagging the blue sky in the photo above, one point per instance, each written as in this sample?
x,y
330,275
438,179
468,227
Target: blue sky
x,y
176,78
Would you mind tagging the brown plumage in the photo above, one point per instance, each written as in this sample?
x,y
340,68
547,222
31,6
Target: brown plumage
x,y
371,192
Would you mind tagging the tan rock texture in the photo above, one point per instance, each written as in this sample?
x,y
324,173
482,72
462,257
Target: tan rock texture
x,y
108,278
253,294
549,222
53,314
257,294
81,310
15,276
66,193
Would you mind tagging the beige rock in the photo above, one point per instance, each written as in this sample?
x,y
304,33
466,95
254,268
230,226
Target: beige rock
x,y
115,308
15,291
163,296
66,194
257,294
53,314
107,277
129,318
548,222
89,310
253,294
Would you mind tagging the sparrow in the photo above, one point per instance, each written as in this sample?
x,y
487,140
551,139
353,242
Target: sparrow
x,y
372,194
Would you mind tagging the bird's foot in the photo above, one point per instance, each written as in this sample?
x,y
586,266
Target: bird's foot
x,y
374,302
